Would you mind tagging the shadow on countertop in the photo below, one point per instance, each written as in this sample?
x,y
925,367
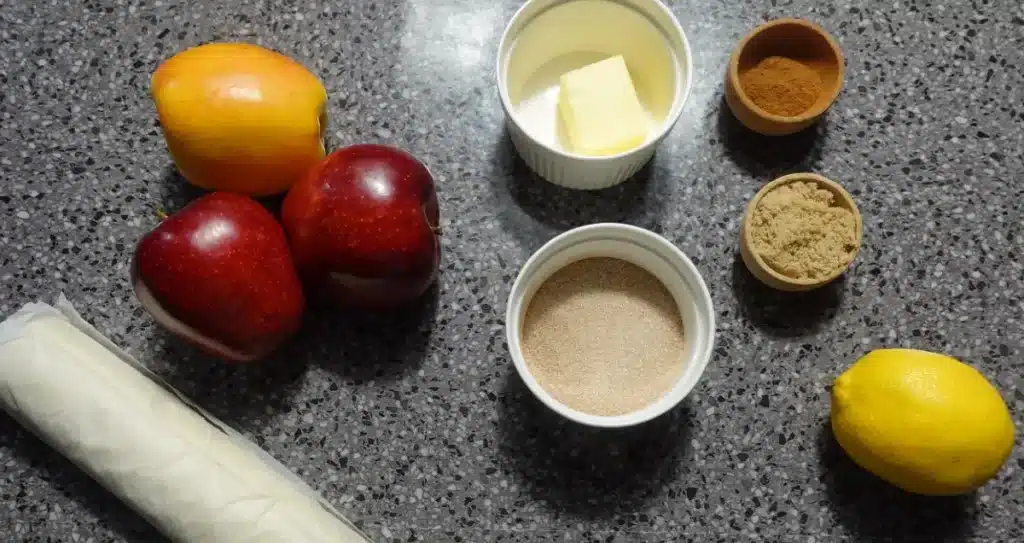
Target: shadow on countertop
x,y
232,392
784,314
532,207
175,192
363,346
770,156
873,510
588,472
64,477
358,346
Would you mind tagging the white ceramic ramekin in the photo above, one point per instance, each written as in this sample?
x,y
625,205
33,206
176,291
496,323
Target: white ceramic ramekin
x,y
642,248
547,38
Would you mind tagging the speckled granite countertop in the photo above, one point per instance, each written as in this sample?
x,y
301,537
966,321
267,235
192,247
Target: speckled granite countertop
x,y
416,425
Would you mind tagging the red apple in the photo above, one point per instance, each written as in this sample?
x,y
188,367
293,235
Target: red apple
x,y
363,227
218,274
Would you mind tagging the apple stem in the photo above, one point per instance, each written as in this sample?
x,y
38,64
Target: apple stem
x,y
161,214
436,230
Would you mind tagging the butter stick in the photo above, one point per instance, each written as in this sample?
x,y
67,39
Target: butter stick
x,y
190,475
600,109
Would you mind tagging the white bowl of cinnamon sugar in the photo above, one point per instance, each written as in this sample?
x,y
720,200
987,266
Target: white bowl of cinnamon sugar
x,y
610,325
800,232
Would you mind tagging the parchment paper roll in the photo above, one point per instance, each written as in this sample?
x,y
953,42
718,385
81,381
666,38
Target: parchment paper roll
x,y
193,477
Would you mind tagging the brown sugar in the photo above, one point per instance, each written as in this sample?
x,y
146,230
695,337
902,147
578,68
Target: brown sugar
x,y
782,86
604,336
799,231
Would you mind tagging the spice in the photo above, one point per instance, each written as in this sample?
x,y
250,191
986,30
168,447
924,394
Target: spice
x,y
782,86
604,337
799,231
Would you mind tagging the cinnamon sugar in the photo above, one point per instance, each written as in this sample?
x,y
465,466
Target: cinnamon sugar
x,y
604,336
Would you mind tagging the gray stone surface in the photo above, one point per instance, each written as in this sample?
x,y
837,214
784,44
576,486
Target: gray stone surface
x,y
416,425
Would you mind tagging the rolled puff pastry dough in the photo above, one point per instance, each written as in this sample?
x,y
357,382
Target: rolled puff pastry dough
x,y
190,475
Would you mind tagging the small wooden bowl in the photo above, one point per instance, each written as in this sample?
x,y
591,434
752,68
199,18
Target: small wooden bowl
x,y
792,38
760,269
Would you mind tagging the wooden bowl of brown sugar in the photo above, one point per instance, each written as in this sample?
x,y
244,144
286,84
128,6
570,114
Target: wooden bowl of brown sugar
x,y
783,76
800,232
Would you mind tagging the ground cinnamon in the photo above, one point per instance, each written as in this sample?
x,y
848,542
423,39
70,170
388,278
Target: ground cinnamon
x,y
782,86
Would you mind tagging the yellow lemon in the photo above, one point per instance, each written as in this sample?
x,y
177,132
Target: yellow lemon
x,y
922,421
239,117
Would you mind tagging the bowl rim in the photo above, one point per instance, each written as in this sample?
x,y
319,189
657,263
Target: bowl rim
x,y
826,183
696,364
734,68
681,91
